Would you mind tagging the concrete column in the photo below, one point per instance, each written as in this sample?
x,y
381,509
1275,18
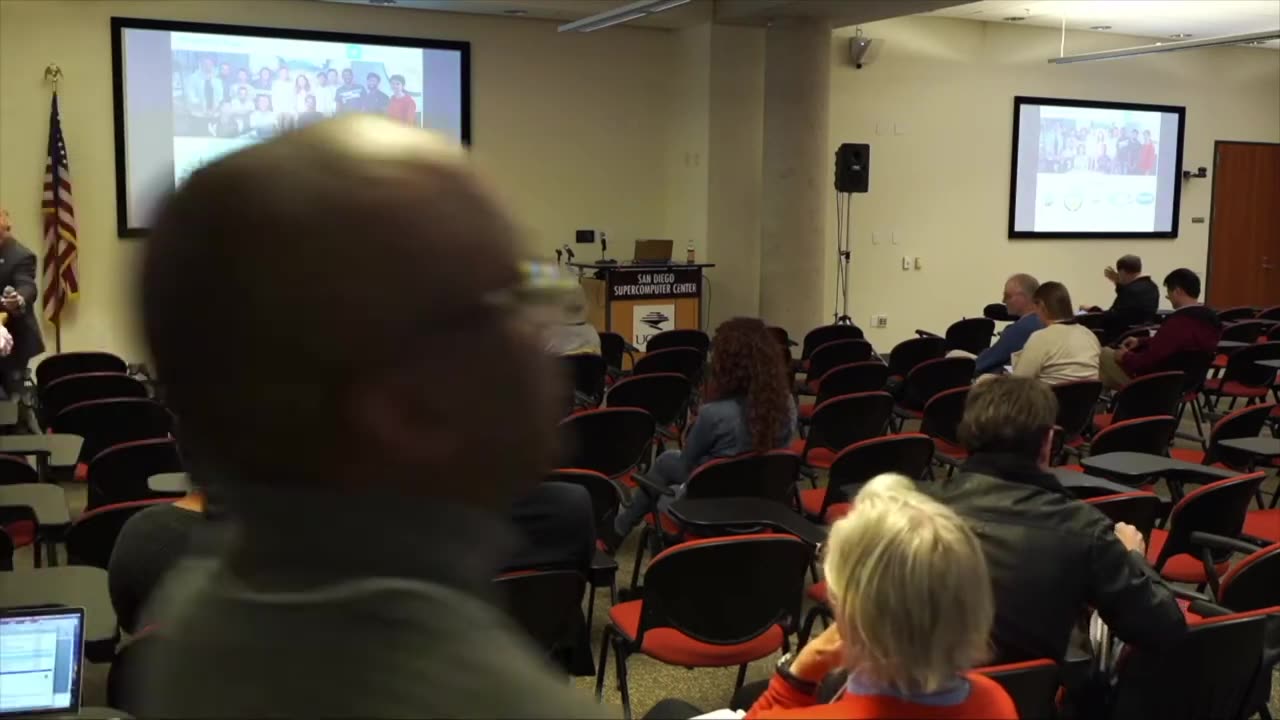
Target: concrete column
x,y
797,175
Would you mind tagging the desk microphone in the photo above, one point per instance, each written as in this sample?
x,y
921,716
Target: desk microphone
x,y
559,257
569,252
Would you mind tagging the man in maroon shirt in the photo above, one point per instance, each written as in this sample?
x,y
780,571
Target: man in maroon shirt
x,y
1191,328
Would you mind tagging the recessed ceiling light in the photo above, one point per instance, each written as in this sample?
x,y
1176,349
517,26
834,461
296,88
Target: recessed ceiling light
x,y
1014,18
1099,27
515,11
1181,36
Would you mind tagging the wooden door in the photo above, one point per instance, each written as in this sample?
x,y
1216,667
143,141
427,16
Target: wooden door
x,y
1244,226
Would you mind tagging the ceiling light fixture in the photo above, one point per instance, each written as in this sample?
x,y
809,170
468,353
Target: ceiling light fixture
x,y
1014,18
1181,36
1099,27
1167,47
620,15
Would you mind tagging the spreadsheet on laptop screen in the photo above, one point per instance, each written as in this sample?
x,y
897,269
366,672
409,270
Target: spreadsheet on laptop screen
x,y
39,661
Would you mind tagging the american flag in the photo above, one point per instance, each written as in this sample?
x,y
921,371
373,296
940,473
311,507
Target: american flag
x,y
60,283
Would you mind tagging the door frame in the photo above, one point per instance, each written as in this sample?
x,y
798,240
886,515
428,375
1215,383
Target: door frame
x,y
1213,196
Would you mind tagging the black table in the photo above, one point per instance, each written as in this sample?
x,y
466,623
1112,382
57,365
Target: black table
x,y
48,506
177,483
71,586
745,512
1086,486
50,450
1133,469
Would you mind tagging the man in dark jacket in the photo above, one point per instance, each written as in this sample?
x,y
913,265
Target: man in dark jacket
x,y
18,271
1192,329
1052,557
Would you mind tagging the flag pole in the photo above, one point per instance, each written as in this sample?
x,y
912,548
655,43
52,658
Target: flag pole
x,y
52,74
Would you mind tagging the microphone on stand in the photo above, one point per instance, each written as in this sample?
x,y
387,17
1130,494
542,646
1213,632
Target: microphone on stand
x,y
569,252
559,257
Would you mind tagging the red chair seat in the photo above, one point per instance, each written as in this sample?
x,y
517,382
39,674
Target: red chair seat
x,y
913,414
1264,524
21,532
951,450
1232,388
1102,420
81,474
836,511
1183,567
675,648
1220,361
811,504
1072,468
805,411
817,592
1187,455
817,457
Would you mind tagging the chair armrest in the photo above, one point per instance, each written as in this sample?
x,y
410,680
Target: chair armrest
x,y
651,487
1186,594
1219,542
1204,608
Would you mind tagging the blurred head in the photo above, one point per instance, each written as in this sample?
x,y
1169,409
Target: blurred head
x,y
397,84
6,225
1010,415
264,74
322,78
242,75
1053,302
242,93
206,64
1133,133
333,77
1146,135
1128,269
1182,288
399,384
224,70
262,102
909,587
283,73
347,77
373,80
302,83
1018,292
745,363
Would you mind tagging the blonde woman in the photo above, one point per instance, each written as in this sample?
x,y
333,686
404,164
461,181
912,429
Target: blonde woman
x,y
909,587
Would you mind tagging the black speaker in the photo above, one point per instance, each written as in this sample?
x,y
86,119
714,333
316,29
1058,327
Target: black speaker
x,y
853,167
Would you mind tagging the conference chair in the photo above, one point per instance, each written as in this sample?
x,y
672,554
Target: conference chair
x,y
1195,368
1243,331
1091,320
547,605
1217,508
610,441
77,363
1237,314
929,378
667,339
1140,509
858,377
910,353
830,356
1148,435
68,390
841,422
103,423
612,347
92,536
1271,314
1032,685
1246,422
605,498
713,602
683,360
971,335
1141,332
941,423
908,454
997,312
784,339
1243,378
6,551
586,374
119,473
824,334
17,522
665,396
1145,396
1210,673
1076,402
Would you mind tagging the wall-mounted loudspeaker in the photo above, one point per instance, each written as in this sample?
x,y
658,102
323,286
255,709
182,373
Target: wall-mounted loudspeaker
x,y
853,167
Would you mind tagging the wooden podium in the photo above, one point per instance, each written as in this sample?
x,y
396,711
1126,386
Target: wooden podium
x,y
640,301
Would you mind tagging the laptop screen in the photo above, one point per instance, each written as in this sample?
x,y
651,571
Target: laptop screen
x,y
40,660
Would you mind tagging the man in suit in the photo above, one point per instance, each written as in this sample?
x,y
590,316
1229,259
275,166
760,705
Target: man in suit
x,y
18,299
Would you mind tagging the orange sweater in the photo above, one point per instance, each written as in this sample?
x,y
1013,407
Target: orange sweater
x,y
987,700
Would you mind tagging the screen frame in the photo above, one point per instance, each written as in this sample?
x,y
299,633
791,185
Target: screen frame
x,y
1172,232
120,24
78,686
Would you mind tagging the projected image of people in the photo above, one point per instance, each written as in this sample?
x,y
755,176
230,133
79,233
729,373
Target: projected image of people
x,y
1110,148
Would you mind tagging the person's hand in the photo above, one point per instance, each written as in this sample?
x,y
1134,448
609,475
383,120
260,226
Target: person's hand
x,y
11,301
820,656
1111,274
1129,343
1119,355
1129,536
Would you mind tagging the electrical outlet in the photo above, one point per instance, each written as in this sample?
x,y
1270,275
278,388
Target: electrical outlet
x,y
875,238
879,321
919,265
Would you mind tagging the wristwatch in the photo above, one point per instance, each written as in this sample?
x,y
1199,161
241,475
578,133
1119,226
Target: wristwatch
x,y
783,670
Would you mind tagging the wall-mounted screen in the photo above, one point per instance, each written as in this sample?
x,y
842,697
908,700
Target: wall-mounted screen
x,y
189,93
1085,169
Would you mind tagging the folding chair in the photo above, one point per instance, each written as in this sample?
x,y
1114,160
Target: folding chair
x,y
824,334
1271,314
547,604
941,421
119,473
612,347
688,362
971,335
841,422
1246,422
605,498
108,422
1076,402
859,377
587,375
829,356
667,339
1243,378
1145,396
77,363
1217,508
92,536
1033,686
909,454
1236,314
68,390
927,380
910,353
665,396
610,441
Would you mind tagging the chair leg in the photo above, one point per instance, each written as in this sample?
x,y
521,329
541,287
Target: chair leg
x,y
742,677
591,604
806,630
604,659
623,690
635,569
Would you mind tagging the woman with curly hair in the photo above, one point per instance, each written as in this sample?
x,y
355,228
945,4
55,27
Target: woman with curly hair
x,y
748,408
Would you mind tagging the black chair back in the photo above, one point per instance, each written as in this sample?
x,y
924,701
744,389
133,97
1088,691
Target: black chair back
x,y
847,419
665,396
612,347
1246,331
780,334
931,377
769,476
1076,402
92,536
1032,685
725,590
15,470
125,690
683,360
910,353
68,390
1252,583
1236,314
77,363
1194,366
605,496
908,454
824,334
1092,320
610,441
1243,367
972,335
1217,508
858,377
1149,435
6,551
1138,332
103,423
668,339
547,604
1154,394
1246,422
1139,509
942,415
998,312
835,354
1272,313
1209,673
119,473
586,373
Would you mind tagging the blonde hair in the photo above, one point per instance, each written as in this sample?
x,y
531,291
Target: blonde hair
x,y
909,586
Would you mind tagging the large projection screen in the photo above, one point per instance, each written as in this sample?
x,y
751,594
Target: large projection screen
x,y
189,93
1087,169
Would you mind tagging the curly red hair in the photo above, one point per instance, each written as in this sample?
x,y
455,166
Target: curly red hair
x,y
745,362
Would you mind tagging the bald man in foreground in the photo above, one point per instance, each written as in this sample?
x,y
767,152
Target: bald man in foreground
x,y
366,437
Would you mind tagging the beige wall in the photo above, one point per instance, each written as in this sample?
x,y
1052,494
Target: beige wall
x,y
942,186
571,127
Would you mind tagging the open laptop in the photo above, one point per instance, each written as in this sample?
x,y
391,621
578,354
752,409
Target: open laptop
x,y
41,658
653,252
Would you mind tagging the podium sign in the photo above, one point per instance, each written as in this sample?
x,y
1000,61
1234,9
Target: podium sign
x,y
655,283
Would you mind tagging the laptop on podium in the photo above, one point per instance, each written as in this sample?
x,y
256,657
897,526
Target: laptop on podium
x,y
41,658
653,252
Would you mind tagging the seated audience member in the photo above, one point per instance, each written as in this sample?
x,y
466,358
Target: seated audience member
x,y
749,410
1137,296
1190,328
569,333
369,489
1018,293
149,545
1062,351
909,589
1051,557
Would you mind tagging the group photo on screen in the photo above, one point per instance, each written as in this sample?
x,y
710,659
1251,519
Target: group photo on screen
x,y
1110,147
237,94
